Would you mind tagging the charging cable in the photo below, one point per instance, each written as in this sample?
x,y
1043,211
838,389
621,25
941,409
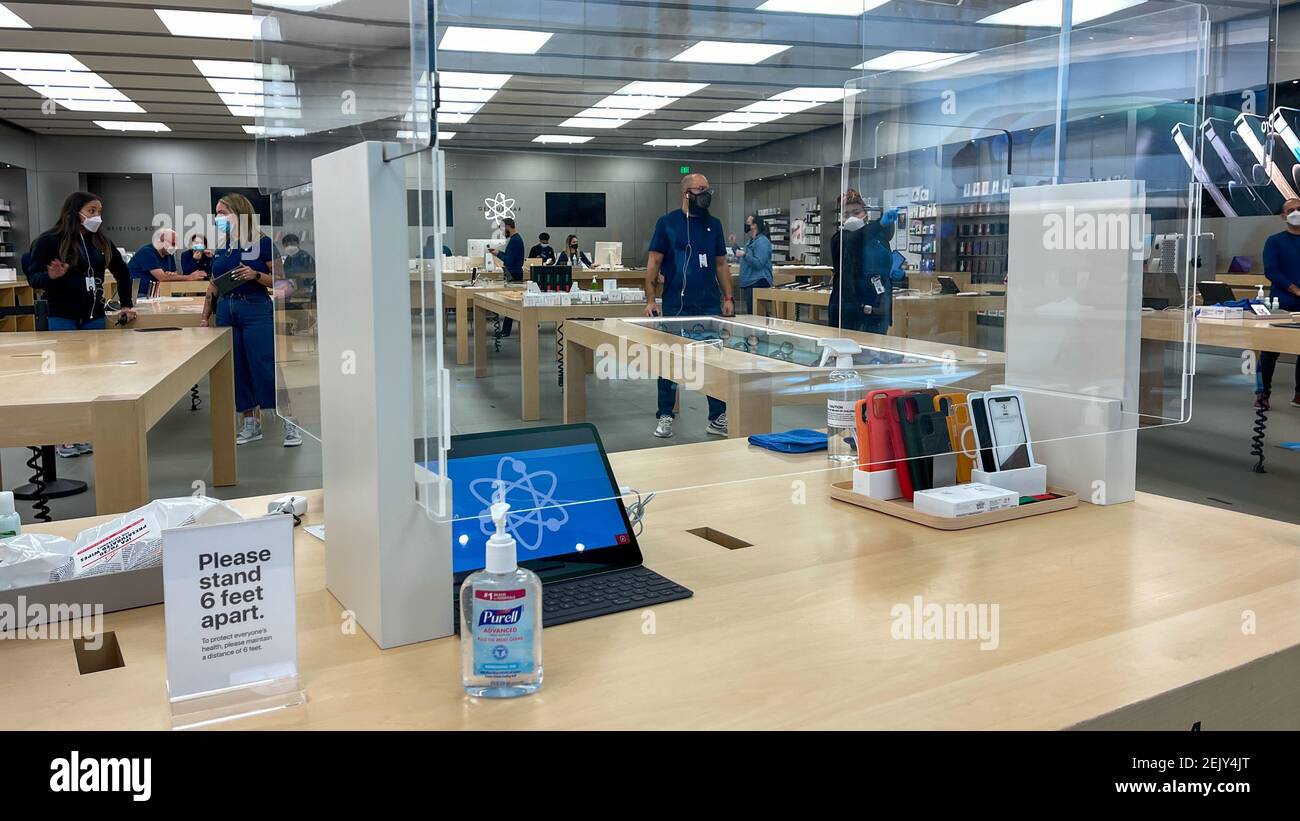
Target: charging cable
x,y
636,510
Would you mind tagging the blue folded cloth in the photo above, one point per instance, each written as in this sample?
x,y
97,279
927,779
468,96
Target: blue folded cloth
x,y
799,440
1239,303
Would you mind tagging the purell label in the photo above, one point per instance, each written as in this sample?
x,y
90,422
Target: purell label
x,y
839,413
503,634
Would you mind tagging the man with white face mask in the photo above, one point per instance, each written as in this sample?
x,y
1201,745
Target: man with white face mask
x,y
1282,267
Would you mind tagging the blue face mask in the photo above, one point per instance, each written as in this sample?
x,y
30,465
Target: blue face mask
x,y
222,222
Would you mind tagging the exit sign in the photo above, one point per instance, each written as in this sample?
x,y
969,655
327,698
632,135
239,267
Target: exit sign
x,y
686,169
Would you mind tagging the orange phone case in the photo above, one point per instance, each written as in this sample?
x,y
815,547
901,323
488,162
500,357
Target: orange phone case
x,y
959,431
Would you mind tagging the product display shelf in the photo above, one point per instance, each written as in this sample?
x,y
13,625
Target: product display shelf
x,y
13,295
778,230
902,509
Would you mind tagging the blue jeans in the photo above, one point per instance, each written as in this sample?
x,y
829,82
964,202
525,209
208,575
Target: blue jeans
x,y
250,321
1263,373
61,324
668,388
747,295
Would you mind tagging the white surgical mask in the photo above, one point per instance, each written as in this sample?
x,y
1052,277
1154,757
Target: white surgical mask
x,y
1293,219
854,224
92,224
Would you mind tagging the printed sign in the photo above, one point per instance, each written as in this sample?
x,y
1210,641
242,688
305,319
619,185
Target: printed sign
x,y
230,604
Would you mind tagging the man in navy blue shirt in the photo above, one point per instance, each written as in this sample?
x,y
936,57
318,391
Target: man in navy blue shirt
x,y
512,261
1282,267
156,262
689,249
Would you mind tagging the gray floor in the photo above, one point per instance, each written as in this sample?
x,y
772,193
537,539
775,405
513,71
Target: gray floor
x,y
1205,461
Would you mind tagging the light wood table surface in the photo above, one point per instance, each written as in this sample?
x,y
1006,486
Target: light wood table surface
x,y
914,316
164,312
109,389
751,384
789,274
511,304
458,297
1127,616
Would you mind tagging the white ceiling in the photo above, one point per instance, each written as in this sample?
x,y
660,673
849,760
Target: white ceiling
x,y
598,47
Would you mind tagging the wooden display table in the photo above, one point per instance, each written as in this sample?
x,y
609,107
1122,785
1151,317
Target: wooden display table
x,y
511,304
1123,617
915,316
163,312
110,389
751,384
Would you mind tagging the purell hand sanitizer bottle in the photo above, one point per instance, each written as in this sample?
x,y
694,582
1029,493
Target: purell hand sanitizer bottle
x,y
846,388
501,622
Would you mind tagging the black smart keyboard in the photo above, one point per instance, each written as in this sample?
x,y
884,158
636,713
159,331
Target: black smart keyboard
x,y
602,594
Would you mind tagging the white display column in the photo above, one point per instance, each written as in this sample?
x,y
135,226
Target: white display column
x,y
386,560
1074,330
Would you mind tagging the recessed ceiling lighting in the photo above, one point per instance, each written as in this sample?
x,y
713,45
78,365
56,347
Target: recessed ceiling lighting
x,y
130,125
567,139
446,135
842,8
635,102
747,117
657,89
781,107
714,125
274,131
718,51
592,122
819,94
457,119
468,79
251,89
495,41
66,80
623,114
9,20
662,143
218,25
1047,13
914,60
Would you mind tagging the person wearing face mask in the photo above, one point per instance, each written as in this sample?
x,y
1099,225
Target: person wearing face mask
x,y
572,254
247,256
69,263
755,260
542,250
197,258
296,260
1282,267
156,262
689,249
861,292
512,262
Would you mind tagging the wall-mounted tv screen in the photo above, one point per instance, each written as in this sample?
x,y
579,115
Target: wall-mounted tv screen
x,y
261,203
565,210
413,202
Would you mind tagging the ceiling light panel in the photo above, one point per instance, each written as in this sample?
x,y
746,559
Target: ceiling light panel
x,y
593,122
1047,13
66,80
565,139
253,89
719,126
719,51
131,125
657,89
842,8
9,20
914,60
493,41
218,25
665,143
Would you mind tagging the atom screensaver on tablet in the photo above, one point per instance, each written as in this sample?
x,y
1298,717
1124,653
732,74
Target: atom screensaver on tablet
x,y
561,501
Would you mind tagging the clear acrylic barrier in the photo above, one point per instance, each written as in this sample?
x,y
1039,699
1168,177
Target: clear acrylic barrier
x,y
297,372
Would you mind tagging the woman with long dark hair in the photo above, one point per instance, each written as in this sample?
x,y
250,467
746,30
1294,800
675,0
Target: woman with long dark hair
x,y
70,262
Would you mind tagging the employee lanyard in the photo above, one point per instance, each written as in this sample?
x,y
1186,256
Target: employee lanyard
x,y
93,283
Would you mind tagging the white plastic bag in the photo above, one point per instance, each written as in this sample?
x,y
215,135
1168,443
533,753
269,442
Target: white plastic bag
x,y
31,559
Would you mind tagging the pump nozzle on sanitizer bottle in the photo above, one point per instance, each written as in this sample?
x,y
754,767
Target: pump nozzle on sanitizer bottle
x,y
501,620
846,390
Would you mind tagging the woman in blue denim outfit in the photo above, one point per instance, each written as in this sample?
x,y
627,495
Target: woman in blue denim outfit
x,y
755,260
248,256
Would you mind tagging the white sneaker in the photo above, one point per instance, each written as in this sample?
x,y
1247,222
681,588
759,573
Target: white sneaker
x,y
718,427
292,436
84,448
664,429
250,432
68,451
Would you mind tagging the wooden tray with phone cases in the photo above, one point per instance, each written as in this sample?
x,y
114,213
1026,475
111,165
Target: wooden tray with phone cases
x,y
902,509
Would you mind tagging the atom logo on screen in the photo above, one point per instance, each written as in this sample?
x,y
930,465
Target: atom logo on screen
x,y
495,208
534,510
